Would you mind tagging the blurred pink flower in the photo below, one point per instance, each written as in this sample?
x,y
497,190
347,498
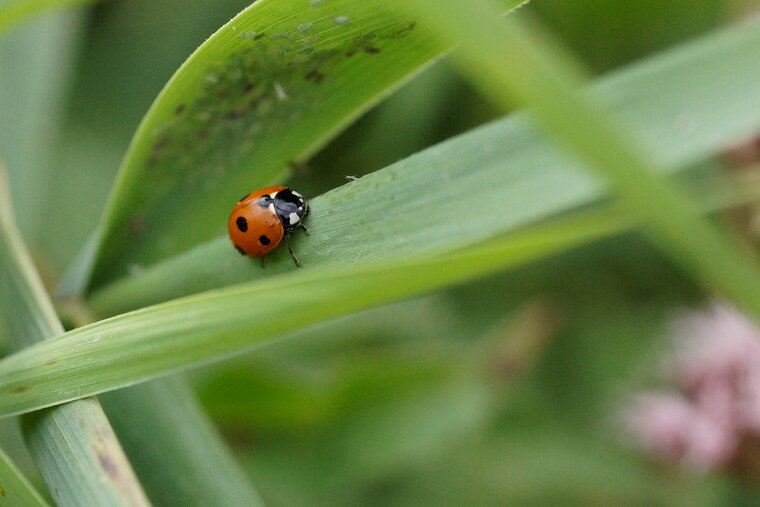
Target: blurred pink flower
x,y
715,403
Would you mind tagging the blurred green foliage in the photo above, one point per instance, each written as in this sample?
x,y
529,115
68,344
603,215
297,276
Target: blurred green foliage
x,y
413,404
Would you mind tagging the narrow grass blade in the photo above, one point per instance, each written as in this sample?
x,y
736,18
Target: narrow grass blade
x,y
669,101
174,448
15,489
264,92
137,346
74,447
218,323
512,64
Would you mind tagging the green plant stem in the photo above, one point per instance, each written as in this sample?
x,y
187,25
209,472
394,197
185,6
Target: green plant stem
x,y
174,447
73,445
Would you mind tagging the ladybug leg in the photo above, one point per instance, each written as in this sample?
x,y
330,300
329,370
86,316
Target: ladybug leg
x,y
262,261
305,230
292,254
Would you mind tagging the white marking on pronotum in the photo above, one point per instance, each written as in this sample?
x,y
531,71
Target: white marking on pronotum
x,y
273,194
280,91
293,218
271,208
296,193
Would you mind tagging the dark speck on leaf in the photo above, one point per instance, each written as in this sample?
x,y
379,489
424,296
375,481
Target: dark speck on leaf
x,y
180,109
19,390
371,50
248,87
234,115
108,466
136,226
162,143
315,76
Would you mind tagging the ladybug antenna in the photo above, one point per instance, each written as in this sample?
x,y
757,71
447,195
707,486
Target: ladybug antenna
x,y
292,254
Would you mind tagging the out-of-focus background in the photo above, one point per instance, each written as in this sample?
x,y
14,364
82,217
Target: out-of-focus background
x,y
512,389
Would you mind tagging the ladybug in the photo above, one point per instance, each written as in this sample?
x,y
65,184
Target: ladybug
x,y
261,219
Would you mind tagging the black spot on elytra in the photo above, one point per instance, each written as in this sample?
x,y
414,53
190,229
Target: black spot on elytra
x,y
240,250
264,240
242,224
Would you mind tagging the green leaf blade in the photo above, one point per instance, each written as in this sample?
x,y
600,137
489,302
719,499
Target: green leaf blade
x,y
161,339
263,93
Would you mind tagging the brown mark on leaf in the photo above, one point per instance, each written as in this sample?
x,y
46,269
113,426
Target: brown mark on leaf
x,y
234,114
399,33
108,466
136,226
315,76
162,143
19,390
